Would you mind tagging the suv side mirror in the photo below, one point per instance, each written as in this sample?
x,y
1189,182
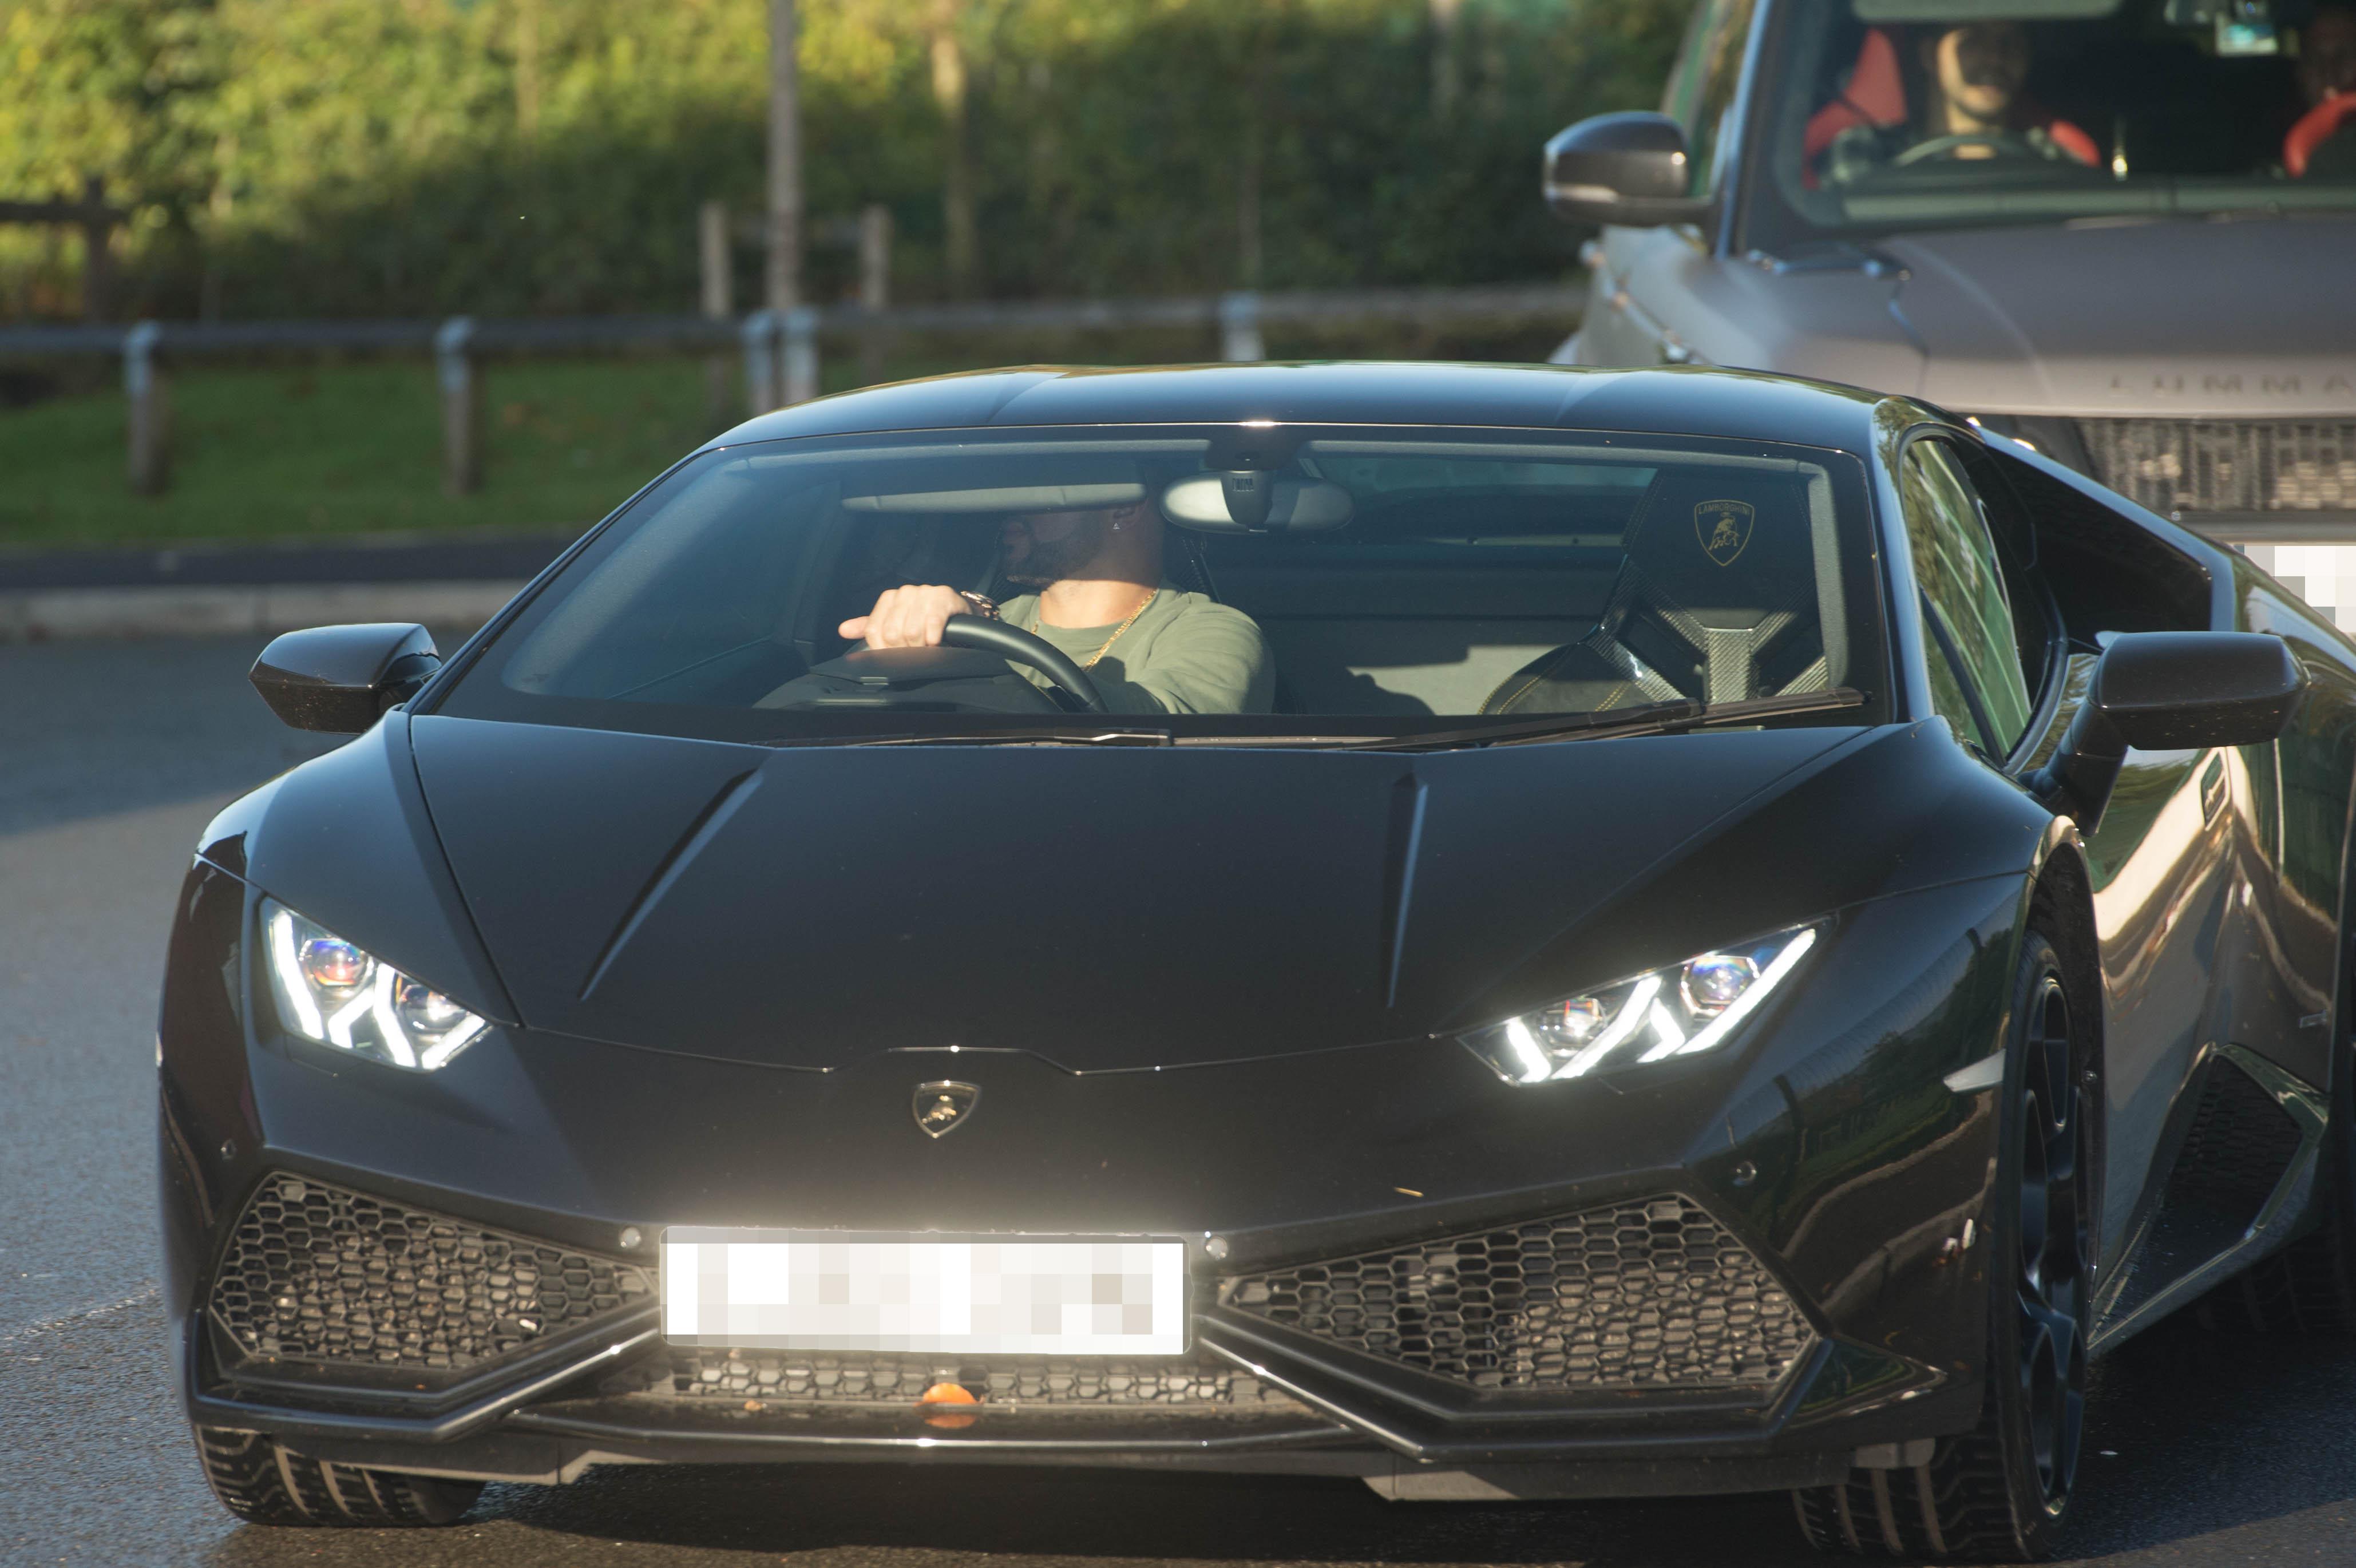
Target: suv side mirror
x,y
339,679
2162,690
1630,169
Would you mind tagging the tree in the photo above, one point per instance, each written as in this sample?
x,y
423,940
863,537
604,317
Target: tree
x,y
785,265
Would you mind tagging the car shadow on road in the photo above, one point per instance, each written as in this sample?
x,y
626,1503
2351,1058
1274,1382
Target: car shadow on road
x,y
926,1512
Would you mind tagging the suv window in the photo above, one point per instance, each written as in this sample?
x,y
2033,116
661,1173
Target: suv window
x,y
1702,86
2087,110
1969,615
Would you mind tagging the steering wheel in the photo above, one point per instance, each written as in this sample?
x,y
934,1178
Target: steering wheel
x,y
2000,144
1014,643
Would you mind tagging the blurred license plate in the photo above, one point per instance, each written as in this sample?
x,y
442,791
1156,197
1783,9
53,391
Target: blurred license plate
x,y
980,1294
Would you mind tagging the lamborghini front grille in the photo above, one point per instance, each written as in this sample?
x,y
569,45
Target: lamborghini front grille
x,y
2232,466
316,1273
1639,1295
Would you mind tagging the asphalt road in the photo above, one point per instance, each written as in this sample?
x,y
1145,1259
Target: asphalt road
x,y
2202,1450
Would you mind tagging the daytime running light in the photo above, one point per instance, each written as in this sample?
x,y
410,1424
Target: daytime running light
x,y
334,993
1682,1010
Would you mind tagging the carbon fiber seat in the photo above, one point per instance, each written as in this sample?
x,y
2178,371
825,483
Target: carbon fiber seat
x,y
1717,600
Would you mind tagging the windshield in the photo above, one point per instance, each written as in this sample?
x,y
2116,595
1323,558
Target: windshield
x,y
1905,114
1199,583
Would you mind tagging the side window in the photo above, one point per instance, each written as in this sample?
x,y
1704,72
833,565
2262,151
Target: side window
x,y
1701,88
2016,547
1965,602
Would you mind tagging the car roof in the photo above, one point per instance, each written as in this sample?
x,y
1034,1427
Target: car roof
x,y
1679,399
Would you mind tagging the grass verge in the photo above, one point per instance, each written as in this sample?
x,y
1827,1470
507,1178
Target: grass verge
x,y
354,448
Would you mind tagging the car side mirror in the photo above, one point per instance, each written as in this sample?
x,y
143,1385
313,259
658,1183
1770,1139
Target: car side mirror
x,y
2163,690
339,678
1630,169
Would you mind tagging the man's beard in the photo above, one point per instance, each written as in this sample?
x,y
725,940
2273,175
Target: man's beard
x,y
1052,560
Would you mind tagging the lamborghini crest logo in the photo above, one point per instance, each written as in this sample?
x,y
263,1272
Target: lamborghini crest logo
x,y
941,1108
1724,528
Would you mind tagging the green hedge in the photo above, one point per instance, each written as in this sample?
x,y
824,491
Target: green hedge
x,y
522,156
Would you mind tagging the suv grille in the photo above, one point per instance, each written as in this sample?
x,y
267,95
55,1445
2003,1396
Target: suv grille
x,y
1193,1382
2184,465
318,1274
1652,1295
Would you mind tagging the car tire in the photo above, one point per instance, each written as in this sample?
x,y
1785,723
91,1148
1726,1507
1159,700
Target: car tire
x,y
2309,1286
1999,1492
262,1482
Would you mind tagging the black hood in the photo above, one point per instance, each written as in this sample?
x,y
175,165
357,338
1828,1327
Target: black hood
x,y
1103,908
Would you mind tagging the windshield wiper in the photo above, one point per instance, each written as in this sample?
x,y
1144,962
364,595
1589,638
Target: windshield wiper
x,y
987,737
1830,256
1653,718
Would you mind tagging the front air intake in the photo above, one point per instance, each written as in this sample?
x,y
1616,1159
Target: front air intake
x,y
320,1274
1638,1296
1194,1383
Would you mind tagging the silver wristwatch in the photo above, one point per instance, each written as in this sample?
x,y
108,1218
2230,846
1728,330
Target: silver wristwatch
x,y
983,605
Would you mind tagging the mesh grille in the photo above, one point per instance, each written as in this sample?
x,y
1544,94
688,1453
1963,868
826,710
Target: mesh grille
x,y
2182,465
1652,1295
318,1274
1193,1382
2241,1143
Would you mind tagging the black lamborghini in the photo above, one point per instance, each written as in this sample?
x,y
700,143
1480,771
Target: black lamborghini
x,y
1744,931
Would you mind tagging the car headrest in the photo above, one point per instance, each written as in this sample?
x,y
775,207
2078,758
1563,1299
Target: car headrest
x,y
1727,546
2318,125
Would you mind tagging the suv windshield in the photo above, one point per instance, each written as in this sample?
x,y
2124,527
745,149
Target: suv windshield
x,y
1902,114
1224,582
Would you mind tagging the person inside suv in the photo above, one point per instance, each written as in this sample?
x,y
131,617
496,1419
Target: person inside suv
x,y
2322,145
1917,95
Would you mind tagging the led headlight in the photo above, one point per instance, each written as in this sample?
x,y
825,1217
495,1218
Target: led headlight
x,y
1678,1011
331,991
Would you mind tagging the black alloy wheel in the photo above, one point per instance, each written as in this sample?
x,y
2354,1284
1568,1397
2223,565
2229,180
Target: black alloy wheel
x,y
1999,1493
2050,1279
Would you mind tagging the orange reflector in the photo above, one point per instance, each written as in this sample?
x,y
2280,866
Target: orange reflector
x,y
947,1394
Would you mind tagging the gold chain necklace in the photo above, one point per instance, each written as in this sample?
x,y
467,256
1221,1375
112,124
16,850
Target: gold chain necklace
x,y
1091,662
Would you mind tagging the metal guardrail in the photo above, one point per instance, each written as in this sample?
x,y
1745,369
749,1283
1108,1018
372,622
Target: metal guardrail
x,y
781,349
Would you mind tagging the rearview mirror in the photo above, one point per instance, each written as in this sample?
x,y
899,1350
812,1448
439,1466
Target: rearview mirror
x,y
1629,170
2167,690
339,678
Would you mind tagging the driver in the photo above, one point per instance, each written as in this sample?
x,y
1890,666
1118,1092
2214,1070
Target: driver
x,y
1961,97
2322,145
1149,647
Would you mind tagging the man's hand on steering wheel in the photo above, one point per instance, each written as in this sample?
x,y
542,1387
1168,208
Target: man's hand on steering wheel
x,y
1972,145
909,617
919,616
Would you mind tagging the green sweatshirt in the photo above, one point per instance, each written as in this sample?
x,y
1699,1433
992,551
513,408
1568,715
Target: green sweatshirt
x,y
1186,653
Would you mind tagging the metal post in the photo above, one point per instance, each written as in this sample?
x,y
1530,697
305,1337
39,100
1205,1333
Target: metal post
x,y
148,393
462,405
97,250
874,289
760,331
1239,338
719,300
801,355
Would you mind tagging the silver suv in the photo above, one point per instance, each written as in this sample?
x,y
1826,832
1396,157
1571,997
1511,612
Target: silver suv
x,y
2121,231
